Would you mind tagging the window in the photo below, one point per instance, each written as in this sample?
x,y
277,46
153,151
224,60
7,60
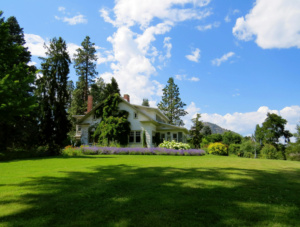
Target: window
x,y
79,128
135,116
162,137
168,136
135,137
94,117
180,137
131,137
138,137
175,137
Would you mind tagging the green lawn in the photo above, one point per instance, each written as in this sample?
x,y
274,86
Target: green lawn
x,y
149,191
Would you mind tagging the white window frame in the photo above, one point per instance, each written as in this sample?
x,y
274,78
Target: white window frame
x,y
135,115
134,136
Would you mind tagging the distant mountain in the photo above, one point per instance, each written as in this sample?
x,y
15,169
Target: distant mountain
x,y
215,128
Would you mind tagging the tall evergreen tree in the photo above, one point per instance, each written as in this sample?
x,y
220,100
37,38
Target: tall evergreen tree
x,y
112,88
53,94
16,79
84,63
171,104
97,91
195,131
206,130
145,102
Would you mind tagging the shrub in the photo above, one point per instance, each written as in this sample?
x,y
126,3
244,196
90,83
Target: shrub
x,y
234,149
247,149
293,151
217,149
269,152
205,143
175,145
72,151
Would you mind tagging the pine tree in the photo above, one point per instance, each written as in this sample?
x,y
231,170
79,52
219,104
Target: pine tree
x,y
97,91
112,88
16,79
53,94
206,130
195,131
145,102
85,65
171,105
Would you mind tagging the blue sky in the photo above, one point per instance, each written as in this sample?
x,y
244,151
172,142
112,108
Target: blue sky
x,y
233,61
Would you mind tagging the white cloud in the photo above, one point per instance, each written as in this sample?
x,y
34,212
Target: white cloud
x,y
79,19
209,26
183,77
225,57
194,56
194,79
35,44
232,12
31,63
275,24
62,9
130,12
245,123
133,54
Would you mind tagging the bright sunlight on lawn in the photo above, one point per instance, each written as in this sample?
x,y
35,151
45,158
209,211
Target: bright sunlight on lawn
x,y
149,191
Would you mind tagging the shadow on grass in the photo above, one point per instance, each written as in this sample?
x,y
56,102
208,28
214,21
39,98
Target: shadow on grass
x,y
159,196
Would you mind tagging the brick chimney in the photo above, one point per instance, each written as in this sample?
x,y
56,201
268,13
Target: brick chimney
x,y
90,103
127,98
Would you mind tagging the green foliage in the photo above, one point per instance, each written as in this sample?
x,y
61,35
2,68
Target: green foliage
x,y
195,131
217,149
171,104
175,145
204,143
293,151
297,134
144,139
145,102
15,79
214,138
231,138
206,131
234,149
18,117
53,95
272,129
97,91
269,152
84,63
247,149
114,125
112,88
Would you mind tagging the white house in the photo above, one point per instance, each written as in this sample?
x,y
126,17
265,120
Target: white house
x,y
150,119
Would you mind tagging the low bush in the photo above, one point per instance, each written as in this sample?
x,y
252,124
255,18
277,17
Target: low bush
x,y
217,149
175,145
293,151
86,150
269,152
234,149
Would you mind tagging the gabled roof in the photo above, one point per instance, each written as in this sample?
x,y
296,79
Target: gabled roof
x,y
154,108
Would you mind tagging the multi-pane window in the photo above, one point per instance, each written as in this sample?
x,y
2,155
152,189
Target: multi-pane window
x,y
78,128
180,137
175,136
168,136
135,137
163,137
131,137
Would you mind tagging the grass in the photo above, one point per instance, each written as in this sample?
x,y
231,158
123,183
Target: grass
x,y
149,191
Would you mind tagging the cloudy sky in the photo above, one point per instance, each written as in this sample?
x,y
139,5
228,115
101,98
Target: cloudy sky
x,y
233,61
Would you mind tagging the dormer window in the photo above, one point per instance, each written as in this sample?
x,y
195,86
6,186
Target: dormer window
x,y
135,115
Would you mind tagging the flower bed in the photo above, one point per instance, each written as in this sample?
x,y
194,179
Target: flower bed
x,y
86,150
